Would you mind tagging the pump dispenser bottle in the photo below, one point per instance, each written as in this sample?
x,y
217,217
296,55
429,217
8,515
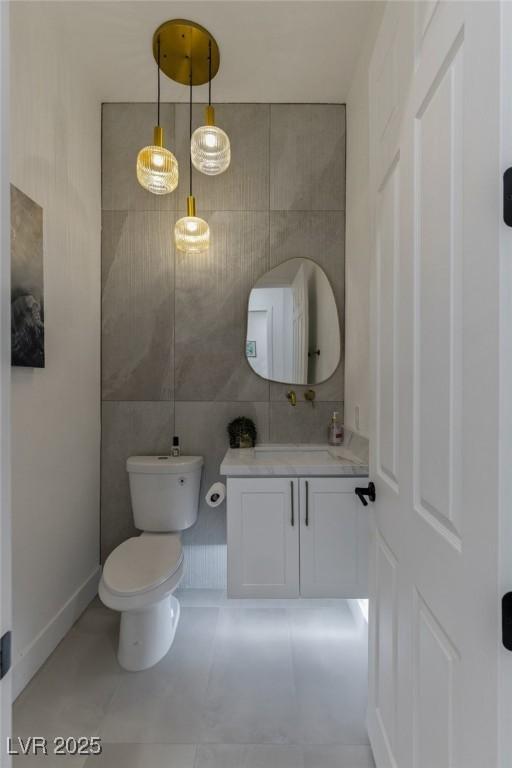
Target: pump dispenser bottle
x,y
335,430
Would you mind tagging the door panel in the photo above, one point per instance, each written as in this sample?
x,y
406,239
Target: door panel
x,y
333,539
434,671
435,181
438,297
388,227
263,538
386,648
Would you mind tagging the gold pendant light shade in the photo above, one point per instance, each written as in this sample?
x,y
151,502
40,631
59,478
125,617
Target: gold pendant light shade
x,y
157,168
192,234
210,148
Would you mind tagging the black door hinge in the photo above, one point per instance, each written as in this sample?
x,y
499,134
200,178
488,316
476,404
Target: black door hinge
x,y
506,620
5,654
507,197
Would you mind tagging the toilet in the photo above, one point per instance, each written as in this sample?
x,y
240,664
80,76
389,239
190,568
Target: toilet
x,y
141,574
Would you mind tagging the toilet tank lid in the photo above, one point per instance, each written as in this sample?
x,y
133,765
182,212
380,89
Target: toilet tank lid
x,y
164,465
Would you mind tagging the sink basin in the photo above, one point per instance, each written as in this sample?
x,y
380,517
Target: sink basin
x,y
293,459
291,449
312,455
295,455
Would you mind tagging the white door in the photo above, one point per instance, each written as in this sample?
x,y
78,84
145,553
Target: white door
x,y
333,538
436,169
300,327
259,332
263,537
5,374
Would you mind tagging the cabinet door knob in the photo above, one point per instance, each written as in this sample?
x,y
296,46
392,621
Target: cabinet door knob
x,y
307,503
293,503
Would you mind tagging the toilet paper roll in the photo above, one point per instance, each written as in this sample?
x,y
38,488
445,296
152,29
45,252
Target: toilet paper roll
x,y
216,495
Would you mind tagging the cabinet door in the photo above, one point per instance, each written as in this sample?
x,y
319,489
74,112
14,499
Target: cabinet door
x,y
333,538
263,537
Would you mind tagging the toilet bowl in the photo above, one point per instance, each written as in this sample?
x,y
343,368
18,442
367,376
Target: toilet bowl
x,y
138,579
140,576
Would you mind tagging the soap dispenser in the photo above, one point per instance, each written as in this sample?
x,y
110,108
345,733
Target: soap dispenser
x,y
335,430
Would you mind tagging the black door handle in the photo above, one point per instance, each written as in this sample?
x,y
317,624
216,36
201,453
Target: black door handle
x,y
362,492
507,197
506,620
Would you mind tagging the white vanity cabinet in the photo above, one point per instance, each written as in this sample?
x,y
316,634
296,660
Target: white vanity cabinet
x,y
296,537
333,538
263,537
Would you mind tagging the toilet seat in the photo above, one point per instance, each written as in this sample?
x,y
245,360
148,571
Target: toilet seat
x,y
142,564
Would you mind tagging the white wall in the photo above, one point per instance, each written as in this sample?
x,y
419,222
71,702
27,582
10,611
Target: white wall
x,y
357,243
55,159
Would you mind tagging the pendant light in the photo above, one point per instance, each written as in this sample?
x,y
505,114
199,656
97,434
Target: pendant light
x,y
191,233
210,149
157,168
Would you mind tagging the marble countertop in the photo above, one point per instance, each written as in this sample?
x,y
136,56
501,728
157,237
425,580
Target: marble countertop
x,y
293,459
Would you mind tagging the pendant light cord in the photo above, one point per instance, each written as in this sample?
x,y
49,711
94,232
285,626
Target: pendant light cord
x,y
209,72
190,129
158,83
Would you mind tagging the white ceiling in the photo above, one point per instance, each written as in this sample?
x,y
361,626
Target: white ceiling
x,y
270,51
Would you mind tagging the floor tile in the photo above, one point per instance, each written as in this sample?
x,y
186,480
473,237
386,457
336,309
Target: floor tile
x,y
70,694
246,684
330,662
99,620
282,756
251,695
144,756
163,704
251,756
201,598
48,761
338,756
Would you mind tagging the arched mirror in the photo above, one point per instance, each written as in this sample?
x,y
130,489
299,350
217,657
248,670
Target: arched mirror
x,y
293,330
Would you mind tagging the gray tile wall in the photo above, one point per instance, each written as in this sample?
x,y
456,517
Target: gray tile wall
x,y
174,325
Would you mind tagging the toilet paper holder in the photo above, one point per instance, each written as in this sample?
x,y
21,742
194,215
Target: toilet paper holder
x,y
216,494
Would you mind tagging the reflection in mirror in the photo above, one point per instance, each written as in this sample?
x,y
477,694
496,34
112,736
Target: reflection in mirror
x,y
293,331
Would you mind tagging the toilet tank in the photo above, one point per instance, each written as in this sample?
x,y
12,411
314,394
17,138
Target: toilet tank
x,y
164,491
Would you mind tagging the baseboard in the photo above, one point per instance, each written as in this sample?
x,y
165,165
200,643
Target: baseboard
x,y
33,657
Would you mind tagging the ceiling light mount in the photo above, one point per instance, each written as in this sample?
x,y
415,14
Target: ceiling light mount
x,y
185,45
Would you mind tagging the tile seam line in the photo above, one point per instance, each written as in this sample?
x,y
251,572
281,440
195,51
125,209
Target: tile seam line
x,y
168,211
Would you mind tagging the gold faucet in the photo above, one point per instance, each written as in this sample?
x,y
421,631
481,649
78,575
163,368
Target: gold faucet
x,y
310,395
292,397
